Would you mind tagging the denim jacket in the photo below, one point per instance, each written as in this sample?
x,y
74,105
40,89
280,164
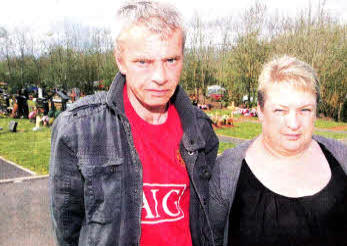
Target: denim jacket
x,y
96,174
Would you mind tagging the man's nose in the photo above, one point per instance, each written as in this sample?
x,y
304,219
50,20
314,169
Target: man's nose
x,y
293,120
159,74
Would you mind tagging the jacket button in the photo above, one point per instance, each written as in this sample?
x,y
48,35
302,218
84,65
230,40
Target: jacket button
x,y
206,174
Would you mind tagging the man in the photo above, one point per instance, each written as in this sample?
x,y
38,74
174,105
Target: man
x,y
131,167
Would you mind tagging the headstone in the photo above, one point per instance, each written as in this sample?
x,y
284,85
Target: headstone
x,y
13,126
40,92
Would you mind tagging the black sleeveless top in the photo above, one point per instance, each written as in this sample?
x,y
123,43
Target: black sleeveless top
x,y
264,218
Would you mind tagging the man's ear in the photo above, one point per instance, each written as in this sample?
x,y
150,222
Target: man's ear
x,y
119,61
260,113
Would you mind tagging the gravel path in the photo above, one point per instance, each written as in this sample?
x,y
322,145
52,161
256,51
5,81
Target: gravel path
x,y
226,139
9,171
24,213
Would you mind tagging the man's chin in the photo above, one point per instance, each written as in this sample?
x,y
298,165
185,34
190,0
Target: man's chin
x,y
157,105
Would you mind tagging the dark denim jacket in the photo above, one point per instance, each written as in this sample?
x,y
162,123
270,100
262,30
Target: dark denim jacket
x,y
96,174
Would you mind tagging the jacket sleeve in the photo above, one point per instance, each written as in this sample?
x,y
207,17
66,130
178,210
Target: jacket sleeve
x,y
218,206
212,144
66,188
210,137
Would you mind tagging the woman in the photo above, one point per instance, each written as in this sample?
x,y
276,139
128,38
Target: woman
x,y
285,187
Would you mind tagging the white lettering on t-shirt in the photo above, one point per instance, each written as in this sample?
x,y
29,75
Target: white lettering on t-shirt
x,y
161,203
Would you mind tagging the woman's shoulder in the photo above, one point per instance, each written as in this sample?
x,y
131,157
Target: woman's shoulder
x,y
230,160
336,148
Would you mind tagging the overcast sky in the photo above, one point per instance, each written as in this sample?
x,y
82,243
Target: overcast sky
x,y
42,15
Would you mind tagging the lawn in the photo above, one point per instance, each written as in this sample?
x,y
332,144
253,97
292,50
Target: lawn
x,y
27,148
328,124
244,130
224,146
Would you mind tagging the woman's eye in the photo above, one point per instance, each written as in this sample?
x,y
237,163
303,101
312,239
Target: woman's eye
x,y
171,60
278,110
306,110
141,62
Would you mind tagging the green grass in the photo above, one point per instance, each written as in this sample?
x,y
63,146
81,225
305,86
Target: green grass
x,y
224,146
244,130
218,111
25,147
329,124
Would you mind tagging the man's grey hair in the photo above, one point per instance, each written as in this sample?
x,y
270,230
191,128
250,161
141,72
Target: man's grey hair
x,y
158,17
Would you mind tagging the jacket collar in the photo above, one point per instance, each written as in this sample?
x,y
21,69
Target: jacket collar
x,y
192,138
114,98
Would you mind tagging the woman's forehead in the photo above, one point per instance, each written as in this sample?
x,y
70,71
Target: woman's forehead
x,y
284,93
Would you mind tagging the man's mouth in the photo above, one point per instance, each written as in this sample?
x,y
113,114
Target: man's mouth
x,y
158,93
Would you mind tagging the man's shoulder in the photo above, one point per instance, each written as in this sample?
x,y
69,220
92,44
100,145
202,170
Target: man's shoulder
x,y
96,99
200,114
82,108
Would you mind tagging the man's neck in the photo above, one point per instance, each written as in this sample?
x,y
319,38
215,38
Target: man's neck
x,y
153,115
152,118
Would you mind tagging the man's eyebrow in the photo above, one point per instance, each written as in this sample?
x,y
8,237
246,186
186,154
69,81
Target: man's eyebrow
x,y
140,58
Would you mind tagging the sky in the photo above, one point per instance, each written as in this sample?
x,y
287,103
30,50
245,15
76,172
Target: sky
x,y
43,16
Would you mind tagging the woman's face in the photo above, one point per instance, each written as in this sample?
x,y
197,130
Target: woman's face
x,y
287,119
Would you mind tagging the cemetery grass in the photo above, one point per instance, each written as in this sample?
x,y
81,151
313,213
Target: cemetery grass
x,y
224,146
330,124
25,147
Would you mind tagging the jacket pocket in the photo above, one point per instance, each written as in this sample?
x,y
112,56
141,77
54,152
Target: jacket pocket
x,y
102,188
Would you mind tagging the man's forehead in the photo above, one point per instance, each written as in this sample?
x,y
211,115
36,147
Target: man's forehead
x,y
139,42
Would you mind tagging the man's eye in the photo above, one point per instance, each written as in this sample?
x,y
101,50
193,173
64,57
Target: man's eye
x,y
142,62
306,110
278,110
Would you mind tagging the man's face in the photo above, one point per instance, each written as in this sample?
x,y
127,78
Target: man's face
x,y
152,66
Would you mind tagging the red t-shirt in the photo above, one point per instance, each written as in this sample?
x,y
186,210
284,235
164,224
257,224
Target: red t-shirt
x,y
165,208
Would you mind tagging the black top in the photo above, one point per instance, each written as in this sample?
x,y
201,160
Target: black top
x,y
264,218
